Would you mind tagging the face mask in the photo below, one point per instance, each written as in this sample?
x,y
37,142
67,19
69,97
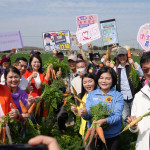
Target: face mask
x,y
82,70
102,59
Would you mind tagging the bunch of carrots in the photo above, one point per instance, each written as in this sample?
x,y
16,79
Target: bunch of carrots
x,y
24,109
99,111
3,127
94,129
50,74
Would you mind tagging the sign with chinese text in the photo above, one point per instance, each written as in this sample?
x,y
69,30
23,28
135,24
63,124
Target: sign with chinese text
x,y
109,32
9,40
86,20
143,37
88,34
56,40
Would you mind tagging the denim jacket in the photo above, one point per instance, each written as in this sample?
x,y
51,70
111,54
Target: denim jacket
x,y
116,104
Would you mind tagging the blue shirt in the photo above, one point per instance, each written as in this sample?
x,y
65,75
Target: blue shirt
x,y
117,104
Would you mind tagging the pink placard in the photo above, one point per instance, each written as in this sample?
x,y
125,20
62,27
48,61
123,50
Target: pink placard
x,y
86,20
88,34
143,36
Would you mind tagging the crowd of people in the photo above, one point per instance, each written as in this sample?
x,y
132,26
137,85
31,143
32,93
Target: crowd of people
x,y
94,81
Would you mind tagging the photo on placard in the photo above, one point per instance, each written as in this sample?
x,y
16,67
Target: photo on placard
x,y
109,32
59,40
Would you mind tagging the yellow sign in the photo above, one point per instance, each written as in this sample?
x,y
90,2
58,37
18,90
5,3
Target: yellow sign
x,y
60,33
64,46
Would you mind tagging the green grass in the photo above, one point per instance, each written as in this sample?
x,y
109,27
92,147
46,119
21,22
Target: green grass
x,y
44,56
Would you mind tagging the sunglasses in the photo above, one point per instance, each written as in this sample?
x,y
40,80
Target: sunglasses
x,y
145,70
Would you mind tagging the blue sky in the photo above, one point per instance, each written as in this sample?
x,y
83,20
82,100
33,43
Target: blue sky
x,y
32,17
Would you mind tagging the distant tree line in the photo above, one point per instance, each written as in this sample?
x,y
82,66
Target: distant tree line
x,y
105,48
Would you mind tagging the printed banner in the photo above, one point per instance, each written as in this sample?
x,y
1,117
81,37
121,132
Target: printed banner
x,y
88,34
143,36
56,40
9,40
85,21
109,32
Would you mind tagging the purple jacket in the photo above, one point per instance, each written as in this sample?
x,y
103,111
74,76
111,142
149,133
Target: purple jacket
x,y
20,95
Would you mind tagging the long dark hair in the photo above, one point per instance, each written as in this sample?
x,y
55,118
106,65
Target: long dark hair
x,y
40,60
87,75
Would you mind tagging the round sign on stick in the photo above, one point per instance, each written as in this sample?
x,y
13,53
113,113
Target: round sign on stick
x,y
143,36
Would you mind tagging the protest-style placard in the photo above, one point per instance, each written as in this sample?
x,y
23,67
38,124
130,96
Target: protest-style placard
x,y
59,40
86,20
88,34
9,40
143,36
109,32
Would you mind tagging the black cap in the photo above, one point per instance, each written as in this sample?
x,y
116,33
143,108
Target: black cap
x,y
96,55
35,52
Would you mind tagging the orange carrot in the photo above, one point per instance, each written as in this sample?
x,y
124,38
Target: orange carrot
x,y
31,108
81,74
3,134
0,130
91,138
23,108
37,108
101,65
48,73
100,132
65,101
107,54
90,70
87,134
129,53
45,111
54,75
65,95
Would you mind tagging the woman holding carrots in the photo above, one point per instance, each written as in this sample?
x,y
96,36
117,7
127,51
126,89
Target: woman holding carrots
x,y
7,105
106,95
34,74
12,77
88,84
124,84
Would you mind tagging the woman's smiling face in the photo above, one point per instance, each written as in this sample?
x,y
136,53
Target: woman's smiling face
x,y
12,79
105,81
35,64
88,84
